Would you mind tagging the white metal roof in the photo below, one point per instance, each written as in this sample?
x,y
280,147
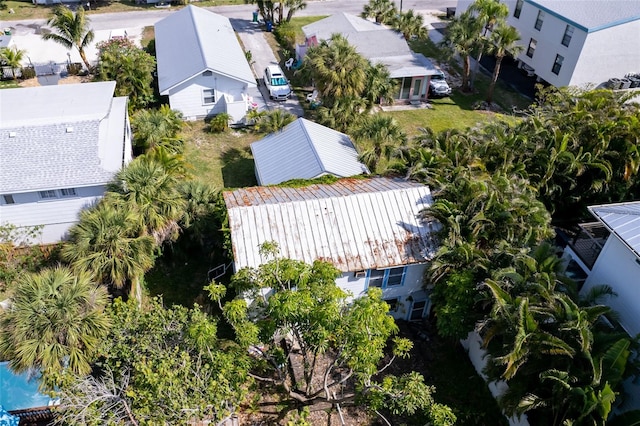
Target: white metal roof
x,y
74,136
194,40
592,15
623,220
342,23
305,150
355,224
65,103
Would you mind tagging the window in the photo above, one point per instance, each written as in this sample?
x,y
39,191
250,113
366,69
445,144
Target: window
x,y
384,278
568,33
376,278
209,96
8,199
45,195
360,274
518,9
68,192
531,48
557,64
539,20
393,304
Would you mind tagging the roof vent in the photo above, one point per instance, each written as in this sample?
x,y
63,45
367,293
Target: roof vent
x,y
69,129
12,134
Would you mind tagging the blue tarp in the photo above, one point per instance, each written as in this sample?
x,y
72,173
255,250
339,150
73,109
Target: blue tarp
x,y
20,391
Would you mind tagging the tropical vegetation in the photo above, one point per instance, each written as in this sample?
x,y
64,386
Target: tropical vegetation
x,y
71,29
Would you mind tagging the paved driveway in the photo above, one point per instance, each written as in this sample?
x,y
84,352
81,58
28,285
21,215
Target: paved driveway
x,y
252,36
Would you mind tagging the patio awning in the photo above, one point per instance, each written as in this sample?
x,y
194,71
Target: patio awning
x,y
412,65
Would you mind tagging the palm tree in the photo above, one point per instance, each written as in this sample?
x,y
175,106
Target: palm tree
x,y
294,6
381,137
153,127
145,187
503,40
56,322
410,24
336,68
201,199
107,243
13,58
380,85
274,121
488,13
71,30
344,114
383,11
462,38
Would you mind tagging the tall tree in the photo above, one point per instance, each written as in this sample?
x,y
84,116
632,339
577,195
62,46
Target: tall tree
x,y
504,39
274,11
344,115
306,322
146,188
383,11
159,365
157,127
107,243
12,58
462,38
71,29
489,13
336,68
55,324
380,86
410,24
132,69
379,137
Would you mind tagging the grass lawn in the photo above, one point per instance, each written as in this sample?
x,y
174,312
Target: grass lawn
x,y
25,9
8,84
223,159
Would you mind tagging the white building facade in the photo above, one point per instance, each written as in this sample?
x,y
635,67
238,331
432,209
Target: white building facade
x,y
59,147
576,42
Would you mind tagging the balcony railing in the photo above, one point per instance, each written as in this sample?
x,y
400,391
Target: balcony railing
x,y
588,242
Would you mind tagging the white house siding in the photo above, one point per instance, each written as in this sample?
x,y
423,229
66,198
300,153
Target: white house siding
x,y
608,53
56,215
187,97
617,267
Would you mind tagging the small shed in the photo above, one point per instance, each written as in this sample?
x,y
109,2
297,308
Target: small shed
x,y
305,150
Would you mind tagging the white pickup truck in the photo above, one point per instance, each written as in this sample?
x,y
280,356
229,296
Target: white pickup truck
x,y
438,85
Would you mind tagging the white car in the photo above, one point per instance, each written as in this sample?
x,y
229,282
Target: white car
x,y
438,85
276,82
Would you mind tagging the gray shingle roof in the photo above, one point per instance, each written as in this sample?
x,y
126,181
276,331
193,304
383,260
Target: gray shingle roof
x,y
624,220
304,150
194,40
60,136
413,64
355,224
592,15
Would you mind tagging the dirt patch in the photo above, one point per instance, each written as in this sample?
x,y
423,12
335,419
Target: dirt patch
x,y
75,79
32,82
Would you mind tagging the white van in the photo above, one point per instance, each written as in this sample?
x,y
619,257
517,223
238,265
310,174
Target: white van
x,y
276,82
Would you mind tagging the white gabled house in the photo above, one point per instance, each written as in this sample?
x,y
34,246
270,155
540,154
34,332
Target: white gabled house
x,y
576,42
201,65
59,147
368,228
305,150
378,44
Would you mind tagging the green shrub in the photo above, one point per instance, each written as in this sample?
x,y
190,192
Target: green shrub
x,y
285,34
219,123
28,72
75,68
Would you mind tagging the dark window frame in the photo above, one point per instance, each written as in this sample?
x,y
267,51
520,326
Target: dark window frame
x,y
533,43
568,35
557,64
539,20
518,10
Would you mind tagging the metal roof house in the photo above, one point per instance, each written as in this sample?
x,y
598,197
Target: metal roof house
x,y
59,147
368,228
576,42
305,150
379,44
608,252
201,65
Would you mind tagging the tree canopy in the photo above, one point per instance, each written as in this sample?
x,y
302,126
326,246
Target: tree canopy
x,y
71,29
310,338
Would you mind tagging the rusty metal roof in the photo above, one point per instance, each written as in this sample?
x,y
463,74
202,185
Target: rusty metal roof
x,y
355,224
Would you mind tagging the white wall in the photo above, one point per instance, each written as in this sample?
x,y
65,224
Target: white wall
x,y
409,292
57,215
616,266
187,97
